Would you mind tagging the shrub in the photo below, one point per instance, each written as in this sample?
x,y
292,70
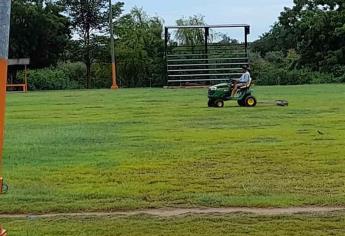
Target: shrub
x,y
76,72
64,76
101,74
48,79
275,57
273,71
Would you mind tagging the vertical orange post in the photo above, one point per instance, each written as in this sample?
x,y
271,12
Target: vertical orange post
x,y
112,47
114,85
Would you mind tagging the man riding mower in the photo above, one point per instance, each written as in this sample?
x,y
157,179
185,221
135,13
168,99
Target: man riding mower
x,y
234,90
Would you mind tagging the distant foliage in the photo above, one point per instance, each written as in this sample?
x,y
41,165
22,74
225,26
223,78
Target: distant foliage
x,y
48,79
140,50
69,76
276,69
75,74
64,76
315,29
190,37
101,74
38,31
89,19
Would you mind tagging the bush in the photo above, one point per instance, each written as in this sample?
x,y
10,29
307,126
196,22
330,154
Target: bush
x,y
275,57
76,72
102,75
64,76
48,79
274,70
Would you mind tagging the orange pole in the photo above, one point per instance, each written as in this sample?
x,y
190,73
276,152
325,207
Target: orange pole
x,y
114,86
112,48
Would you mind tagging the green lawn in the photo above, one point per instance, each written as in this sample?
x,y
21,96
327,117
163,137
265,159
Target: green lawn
x,y
141,148
333,224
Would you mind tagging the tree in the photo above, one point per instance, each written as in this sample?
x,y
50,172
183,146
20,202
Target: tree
x,y
89,18
140,49
315,29
38,31
190,37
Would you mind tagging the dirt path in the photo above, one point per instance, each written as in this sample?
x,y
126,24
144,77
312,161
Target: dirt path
x,y
175,212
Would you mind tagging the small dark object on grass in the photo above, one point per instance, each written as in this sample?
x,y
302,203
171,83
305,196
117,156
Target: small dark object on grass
x,y
282,103
321,133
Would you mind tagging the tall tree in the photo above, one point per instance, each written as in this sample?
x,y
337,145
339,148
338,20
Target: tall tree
x,y
140,49
39,31
89,18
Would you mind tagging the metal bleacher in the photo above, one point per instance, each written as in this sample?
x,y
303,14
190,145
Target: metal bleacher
x,y
205,64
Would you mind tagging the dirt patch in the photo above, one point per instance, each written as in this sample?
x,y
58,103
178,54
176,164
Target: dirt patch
x,y
176,212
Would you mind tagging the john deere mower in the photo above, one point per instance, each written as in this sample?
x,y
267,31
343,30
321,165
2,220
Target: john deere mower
x,y
222,92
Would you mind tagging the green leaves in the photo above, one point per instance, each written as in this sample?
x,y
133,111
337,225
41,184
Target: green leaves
x,y
190,37
39,32
314,28
139,49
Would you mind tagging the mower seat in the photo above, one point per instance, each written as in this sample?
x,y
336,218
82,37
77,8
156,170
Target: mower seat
x,y
248,85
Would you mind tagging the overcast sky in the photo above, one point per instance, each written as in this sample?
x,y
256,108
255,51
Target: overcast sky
x,y
260,14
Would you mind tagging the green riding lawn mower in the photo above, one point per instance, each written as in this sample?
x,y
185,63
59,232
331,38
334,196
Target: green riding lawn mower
x,y
217,94
220,93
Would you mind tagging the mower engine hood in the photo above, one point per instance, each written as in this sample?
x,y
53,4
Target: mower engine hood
x,y
219,86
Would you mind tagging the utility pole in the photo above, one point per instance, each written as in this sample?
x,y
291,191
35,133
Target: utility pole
x,y
5,13
112,47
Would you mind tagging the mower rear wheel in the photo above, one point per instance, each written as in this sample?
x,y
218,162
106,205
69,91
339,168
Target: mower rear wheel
x,y
219,103
250,101
210,103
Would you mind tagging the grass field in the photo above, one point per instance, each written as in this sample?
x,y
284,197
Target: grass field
x,y
305,225
76,151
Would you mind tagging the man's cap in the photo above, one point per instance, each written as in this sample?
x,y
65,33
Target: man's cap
x,y
245,67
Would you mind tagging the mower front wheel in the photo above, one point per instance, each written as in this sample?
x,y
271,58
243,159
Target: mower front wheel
x,y
219,103
250,101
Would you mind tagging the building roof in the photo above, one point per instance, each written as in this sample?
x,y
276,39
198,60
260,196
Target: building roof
x,y
19,62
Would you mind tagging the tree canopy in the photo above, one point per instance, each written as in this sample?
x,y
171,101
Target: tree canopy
x,y
315,29
140,49
38,31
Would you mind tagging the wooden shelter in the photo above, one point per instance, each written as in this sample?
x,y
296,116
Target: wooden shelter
x,y
14,66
